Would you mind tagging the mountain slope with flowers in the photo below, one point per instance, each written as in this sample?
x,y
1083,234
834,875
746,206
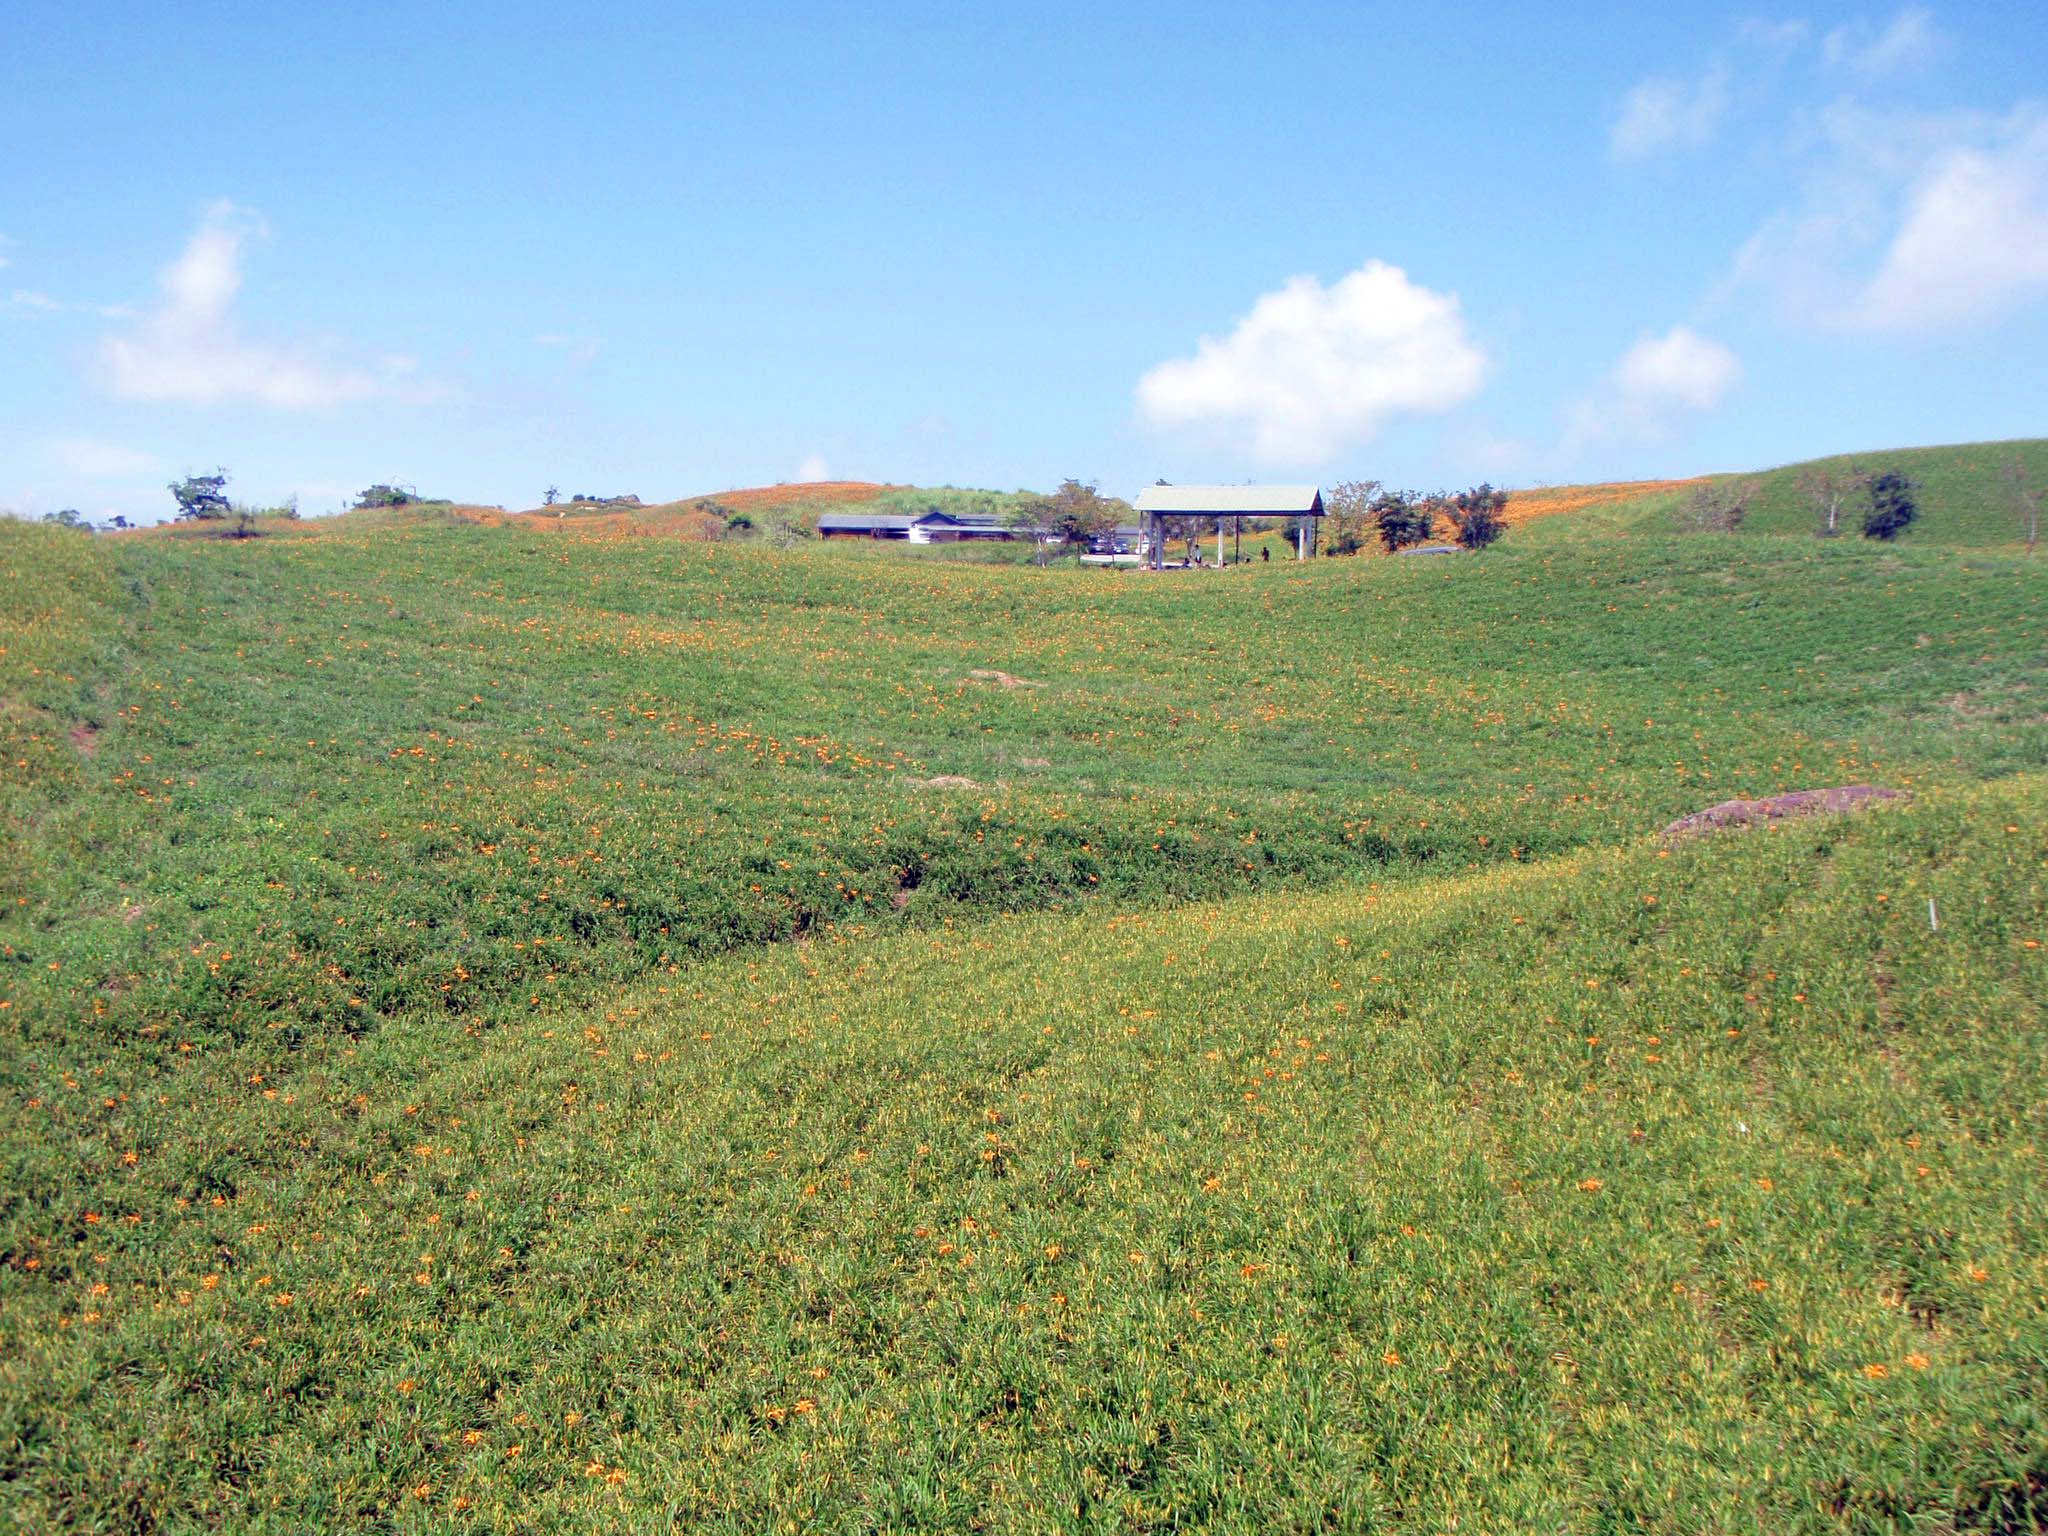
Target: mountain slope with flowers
x,y
509,1031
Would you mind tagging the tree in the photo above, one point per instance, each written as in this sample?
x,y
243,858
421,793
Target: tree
x,y
1827,492
1078,513
2025,499
1892,507
201,498
1031,518
382,495
1348,521
1073,515
67,517
1479,515
1402,518
553,495
1721,504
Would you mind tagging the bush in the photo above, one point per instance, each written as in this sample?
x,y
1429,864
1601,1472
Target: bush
x,y
1401,519
1892,508
1720,505
1347,515
382,495
1478,514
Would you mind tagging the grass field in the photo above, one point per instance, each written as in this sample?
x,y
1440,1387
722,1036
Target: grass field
x,y
508,1032
1962,495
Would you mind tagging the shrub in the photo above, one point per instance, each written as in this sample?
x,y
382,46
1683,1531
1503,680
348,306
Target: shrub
x,y
1401,519
1478,514
1720,505
1348,520
1892,508
382,495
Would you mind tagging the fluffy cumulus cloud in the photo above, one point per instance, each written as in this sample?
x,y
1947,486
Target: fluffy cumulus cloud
x,y
1660,383
1312,370
1909,41
1680,371
1663,113
189,348
813,469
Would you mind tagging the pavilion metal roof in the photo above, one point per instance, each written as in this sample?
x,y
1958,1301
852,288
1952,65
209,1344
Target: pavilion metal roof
x,y
1233,500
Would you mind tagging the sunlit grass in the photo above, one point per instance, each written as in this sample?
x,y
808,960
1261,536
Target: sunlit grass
x,y
501,1032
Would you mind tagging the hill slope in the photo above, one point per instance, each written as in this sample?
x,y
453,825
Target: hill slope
x,y
946,1233
560,1032
1963,501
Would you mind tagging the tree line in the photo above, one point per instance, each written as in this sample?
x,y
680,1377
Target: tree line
x,y
1888,501
1359,512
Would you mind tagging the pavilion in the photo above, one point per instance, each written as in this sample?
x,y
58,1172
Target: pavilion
x,y
1164,506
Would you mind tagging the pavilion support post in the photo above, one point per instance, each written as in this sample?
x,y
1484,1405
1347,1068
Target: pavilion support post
x,y
1301,538
1219,543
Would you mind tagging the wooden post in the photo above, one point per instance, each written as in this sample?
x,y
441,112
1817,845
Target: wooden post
x,y
1219,543
1301,538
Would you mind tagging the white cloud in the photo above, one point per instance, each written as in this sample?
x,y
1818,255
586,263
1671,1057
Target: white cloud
x,y
1662,113
812,469
1973,243
1678,371
43,304
1909,41
1778,36
1658,383
1910,221
92,460
189,349
1314,370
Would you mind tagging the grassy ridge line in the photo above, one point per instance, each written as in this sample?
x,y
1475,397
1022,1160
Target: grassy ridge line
x,y
1685,1192
1961,494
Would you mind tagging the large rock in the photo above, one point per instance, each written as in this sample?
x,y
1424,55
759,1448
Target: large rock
x,y
1800,802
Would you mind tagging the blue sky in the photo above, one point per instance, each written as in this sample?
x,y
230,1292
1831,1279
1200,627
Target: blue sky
x,y
485,249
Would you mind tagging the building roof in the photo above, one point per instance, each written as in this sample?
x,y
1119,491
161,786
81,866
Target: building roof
x,y
1234,500
861,522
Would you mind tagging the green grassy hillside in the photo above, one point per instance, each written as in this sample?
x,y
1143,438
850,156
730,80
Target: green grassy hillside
x,y
1962,494
507,1031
